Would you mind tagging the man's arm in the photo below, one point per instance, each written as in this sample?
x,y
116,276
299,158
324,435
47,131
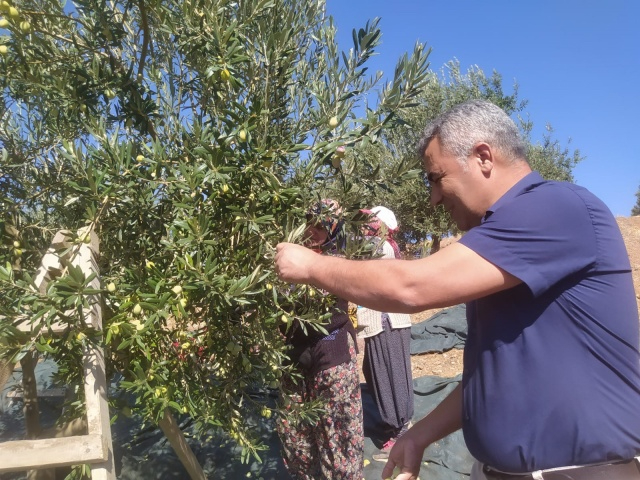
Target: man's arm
x,y
407,453
454,275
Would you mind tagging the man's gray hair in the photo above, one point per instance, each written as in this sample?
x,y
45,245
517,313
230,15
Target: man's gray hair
x,y
463,125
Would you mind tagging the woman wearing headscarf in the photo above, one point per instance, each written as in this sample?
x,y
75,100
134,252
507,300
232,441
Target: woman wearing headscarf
x,y
387,337
333,446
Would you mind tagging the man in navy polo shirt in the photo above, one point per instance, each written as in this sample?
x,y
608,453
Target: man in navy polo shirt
x,y
551,380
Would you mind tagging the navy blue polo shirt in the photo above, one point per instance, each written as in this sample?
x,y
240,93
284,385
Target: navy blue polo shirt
x,y
551,366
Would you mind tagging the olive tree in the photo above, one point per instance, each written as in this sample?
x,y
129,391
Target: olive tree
x,y
189,135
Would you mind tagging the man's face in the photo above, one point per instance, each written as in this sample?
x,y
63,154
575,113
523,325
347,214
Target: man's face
x,y
453,186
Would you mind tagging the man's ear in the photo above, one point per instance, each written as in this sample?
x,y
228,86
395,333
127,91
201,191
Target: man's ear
x,y
483,155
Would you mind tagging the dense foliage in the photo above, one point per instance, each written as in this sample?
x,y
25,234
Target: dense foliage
x,y
190,136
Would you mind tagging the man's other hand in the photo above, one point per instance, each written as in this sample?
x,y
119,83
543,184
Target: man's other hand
x,y
404,459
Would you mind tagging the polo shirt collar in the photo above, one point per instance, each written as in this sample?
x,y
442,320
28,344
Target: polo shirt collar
x,y
530,180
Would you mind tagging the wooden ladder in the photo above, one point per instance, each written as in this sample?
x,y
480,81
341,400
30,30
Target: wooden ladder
x,y
95,448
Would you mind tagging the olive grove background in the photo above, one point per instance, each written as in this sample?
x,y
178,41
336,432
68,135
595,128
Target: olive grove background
x,y
635,210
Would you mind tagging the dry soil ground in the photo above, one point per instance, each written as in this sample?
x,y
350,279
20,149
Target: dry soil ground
x,y
449,364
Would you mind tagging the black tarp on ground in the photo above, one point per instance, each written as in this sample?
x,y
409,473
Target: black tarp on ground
x,y
445,330
143,454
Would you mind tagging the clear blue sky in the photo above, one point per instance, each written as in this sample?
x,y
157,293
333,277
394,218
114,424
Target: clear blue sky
x,y
577,62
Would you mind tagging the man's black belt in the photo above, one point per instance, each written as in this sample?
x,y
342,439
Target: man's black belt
x,y
624,470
